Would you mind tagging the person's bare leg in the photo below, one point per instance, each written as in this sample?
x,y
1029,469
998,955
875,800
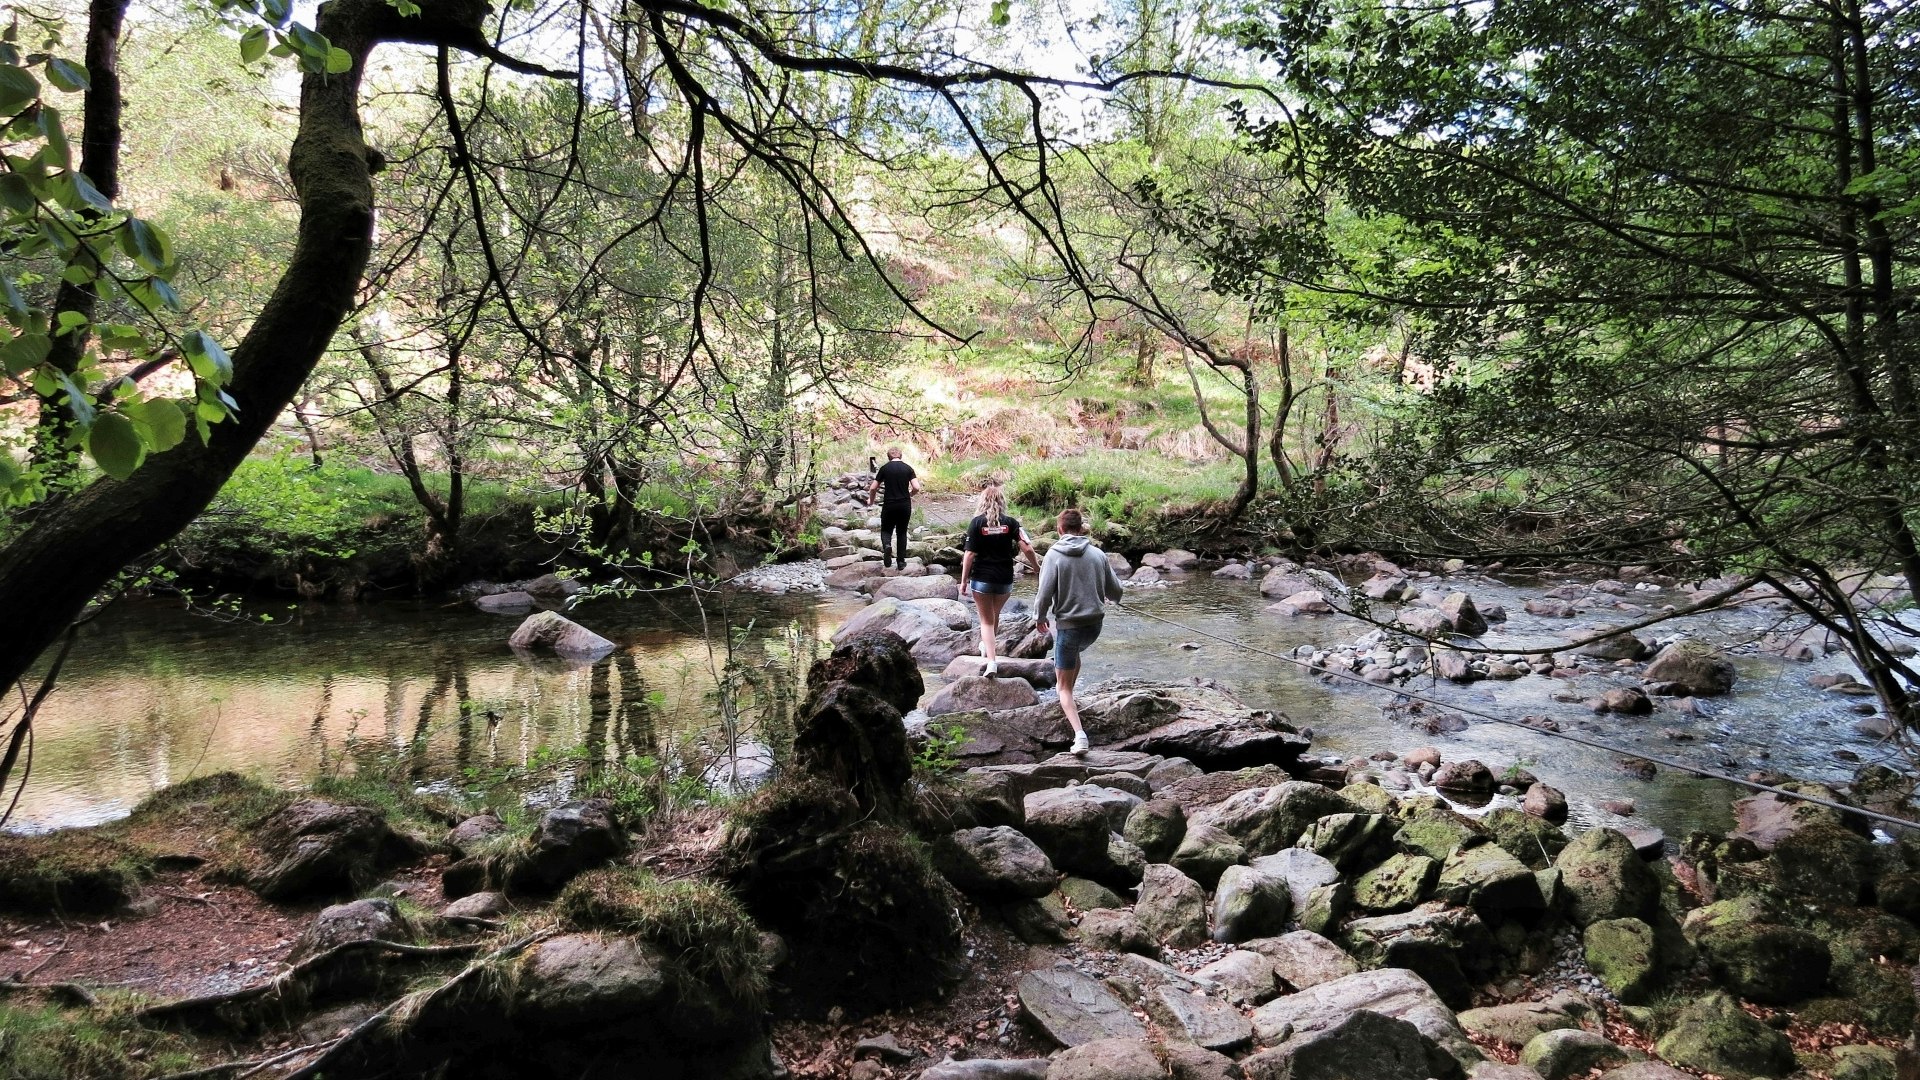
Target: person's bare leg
x,y
1066,677
989,605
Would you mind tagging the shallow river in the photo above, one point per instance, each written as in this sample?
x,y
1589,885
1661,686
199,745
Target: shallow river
x,y
153,695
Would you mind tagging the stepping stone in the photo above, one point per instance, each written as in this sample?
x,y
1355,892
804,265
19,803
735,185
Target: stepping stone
x,y
1072,1009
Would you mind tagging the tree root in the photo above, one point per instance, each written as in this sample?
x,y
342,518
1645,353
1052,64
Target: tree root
x,y
191,1010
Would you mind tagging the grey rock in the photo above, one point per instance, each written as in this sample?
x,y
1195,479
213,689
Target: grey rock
x,y
1304,959
976,692
1205,852
1247,976
1465,616
1393,992
505,603
1449,948
570,838
318,848
1116,930
568,639
1395,885
1361,1044
474,832
1156,827
1568,1052
1071,826
1517,1023
361,920
1107,1059
1488,879
1171,771
1545,802
1266,820
1350,841
583,980
1072,1009
1645,1070
1689,669
1605,878
1039,673
1425,622
480,905
990,1069
995,864
1206,1022
1172,907
1713,1034
1249,904
1302,870
1089,895
929,587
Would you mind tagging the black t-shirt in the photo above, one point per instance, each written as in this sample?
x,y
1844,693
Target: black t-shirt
x,y
993,549
895,477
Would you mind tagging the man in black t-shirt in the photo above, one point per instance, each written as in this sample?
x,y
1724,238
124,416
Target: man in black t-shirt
x,y
896,507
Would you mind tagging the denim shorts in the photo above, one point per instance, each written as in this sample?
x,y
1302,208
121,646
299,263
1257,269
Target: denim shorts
x,y
990,588
1069,640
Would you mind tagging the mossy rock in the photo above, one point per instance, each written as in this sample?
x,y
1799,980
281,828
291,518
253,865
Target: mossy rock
x,y
1823,861
1372,798
1530,839
1326,905
1864,1062
1877,997
1714,1035
1766,962
1605,878
75,871
1623,953
1862,935
1089,895
699,926
1436,832
1396,885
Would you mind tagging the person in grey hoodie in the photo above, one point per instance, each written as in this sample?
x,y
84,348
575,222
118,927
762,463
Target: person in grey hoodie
x,y
1075,582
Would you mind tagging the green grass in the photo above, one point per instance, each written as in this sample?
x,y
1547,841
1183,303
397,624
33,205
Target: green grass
x,y
699,925
47,1043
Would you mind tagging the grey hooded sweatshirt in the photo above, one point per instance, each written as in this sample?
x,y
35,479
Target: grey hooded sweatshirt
x,y
1075,581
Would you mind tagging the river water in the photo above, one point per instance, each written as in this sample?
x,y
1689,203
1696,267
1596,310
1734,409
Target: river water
x,y
153,695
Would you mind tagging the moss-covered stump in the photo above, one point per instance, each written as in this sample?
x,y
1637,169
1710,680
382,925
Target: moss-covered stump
x,y
849,729
869,921
1623,954
1714,1035
79,871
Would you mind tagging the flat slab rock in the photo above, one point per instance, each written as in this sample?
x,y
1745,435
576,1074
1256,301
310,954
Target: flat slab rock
x,y
1394,992
1071,1008
1206,1022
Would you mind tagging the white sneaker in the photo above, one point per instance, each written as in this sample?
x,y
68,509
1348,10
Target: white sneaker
x,y
1079,742
993,668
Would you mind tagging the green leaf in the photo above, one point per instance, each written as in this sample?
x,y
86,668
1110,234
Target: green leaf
x,y
16,194
77,275
115,446
57,151
338,60
253,45
208,412
208,359
276,11
66,75
147,245
15,303
166,424
68,321
90,195
18,89
9,471
78,403
24,352
1001,13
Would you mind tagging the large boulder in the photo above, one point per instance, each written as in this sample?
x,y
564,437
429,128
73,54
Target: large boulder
x,y
1713,1034
1437,832
996,865
878,661
1618,646
978,692
1072,826
928,587
928,637
1285,581
316,848
1517,1023
1570,1052
1265,820
1172,907
1247,976
1605,878
1466,618
1156,827
1625,956
1205,852
1689,669
1248,904
568,639
1039,673
1206,1022
1449,948
1073,1010
1533,840
1107,1059
1395,885
1301,870
1304,959
1762,961
1362,1044
1350,841
1391,992
570,839
370,919
1488,879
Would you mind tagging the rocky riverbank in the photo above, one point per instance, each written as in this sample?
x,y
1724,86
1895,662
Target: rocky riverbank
x,y
1202,895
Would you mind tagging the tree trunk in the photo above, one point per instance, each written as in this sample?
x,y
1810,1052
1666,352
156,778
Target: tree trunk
x,y
73,550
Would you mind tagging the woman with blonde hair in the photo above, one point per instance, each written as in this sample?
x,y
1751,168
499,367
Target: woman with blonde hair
x,y
986,570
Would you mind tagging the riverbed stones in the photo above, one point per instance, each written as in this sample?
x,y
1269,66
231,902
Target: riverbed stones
x,y
1605,878
1205,852
1466,776
1248,904
1396,884
1156,827
1437,832
566,638
1116,930
1206,1022
316,848
1266,820
505,603
1039,673
995,865
1569,1052
1172,907
1246,976
1424,622
1618,646
1624,701
952,613
1551,608
1545,802
1304,959
1714,1035
1301,870
1690,669
1072,1009
1349,841
1623,953
1107,1059
1488,879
